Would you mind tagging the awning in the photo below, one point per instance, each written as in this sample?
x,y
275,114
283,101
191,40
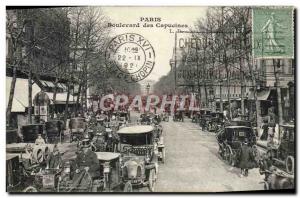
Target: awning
x,y
263,95
20,100
47,83
61,98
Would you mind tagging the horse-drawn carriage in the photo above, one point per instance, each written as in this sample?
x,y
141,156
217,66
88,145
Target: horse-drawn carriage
x,y
230,141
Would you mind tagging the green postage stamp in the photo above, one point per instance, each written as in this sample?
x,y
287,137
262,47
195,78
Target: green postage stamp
x,y
273,34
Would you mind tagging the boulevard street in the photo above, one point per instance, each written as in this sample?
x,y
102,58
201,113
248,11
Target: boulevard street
x,y
193,164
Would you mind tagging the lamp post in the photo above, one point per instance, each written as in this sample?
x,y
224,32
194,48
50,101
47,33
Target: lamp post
x,y
148,88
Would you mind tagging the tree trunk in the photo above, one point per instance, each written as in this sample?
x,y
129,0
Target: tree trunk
x,y
30,97
77,100
11,95
67,103
54,97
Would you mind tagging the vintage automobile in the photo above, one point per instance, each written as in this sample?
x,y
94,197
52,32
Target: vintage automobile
x,y
230,140
145,119
283,153
274,179
99,142
215,121
110,178
139,156
195,116
124,115
45,180
178,116
77,128
54,131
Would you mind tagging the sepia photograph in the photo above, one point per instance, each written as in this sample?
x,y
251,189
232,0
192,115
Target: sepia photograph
x,y
150,99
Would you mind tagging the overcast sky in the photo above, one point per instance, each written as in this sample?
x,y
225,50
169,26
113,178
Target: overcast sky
x,y
161,39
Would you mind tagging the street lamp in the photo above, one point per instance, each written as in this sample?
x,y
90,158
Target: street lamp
x,y
148,88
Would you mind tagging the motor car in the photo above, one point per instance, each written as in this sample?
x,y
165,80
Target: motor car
x,y
283,152
216,121
204,117
54,131
139,155
178,116
195,116
274,179
110,179
77,128
165,116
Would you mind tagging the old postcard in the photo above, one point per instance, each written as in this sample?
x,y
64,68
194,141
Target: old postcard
x,y
150,99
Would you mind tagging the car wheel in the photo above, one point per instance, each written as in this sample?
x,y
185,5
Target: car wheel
x,y
128,187
290,164
152,180
30,189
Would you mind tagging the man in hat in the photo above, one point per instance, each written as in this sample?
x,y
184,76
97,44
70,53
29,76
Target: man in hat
x,y
86,165
246,158
39,140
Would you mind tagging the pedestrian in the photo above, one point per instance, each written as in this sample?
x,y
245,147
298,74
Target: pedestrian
x,y
39,140
246,158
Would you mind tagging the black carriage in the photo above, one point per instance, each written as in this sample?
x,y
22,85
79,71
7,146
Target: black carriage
x,y
230,141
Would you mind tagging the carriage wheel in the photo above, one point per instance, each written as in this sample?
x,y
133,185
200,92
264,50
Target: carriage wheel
x,y
266,186
30,189
163,154
221,152
290,164
229,155
128,187
152,180
71,138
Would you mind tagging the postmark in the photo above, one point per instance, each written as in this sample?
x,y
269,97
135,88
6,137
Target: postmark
x,y
130,57
273,34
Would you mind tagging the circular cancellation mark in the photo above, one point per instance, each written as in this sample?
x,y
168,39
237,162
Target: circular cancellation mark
x,y
130,57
